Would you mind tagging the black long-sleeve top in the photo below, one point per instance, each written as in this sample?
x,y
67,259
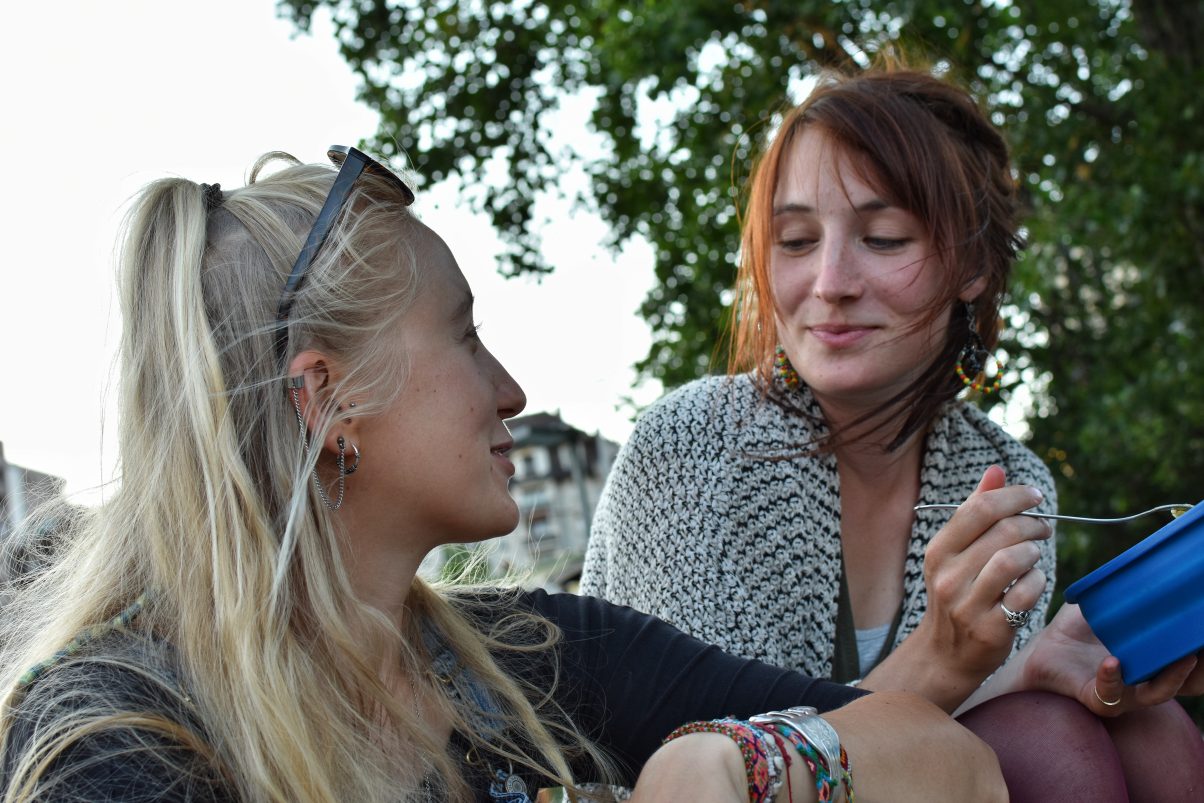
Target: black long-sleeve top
x,y
627,679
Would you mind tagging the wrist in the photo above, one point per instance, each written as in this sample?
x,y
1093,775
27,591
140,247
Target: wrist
x,y
918,668
762,762
817,746
696,767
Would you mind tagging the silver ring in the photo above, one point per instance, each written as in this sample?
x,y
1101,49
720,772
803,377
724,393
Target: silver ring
x,y
1015,618
1106,702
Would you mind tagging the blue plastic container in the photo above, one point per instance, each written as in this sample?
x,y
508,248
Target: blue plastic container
x,y
1147,604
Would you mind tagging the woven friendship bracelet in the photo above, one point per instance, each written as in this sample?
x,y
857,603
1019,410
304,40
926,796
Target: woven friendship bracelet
x,y
846,773
819,732
763,782
823,781
827,788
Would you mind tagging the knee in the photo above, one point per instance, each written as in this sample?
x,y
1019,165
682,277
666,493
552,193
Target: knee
x,y
1036,718
1167,723
1167,732
1046,741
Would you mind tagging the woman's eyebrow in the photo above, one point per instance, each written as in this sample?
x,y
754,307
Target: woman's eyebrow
x,y
872,205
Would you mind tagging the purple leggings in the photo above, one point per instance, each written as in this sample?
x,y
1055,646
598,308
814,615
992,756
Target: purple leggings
x,y
1051,748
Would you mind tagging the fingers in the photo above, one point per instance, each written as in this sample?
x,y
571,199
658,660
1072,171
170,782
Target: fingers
x,y
1165,684
1026,592
1011,572
992,479
1194,685
990,505
985,548
1110,697
1108,692
1006,533
983,556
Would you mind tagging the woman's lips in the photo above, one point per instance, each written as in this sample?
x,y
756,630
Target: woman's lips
x,y
499,452
840,336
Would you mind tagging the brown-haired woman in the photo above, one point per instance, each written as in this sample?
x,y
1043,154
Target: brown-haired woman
x,y
771,511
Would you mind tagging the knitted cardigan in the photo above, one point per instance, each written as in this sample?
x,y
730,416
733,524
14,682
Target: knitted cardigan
x,y
698,527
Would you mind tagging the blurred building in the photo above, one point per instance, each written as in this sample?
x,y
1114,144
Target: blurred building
x,y
559,474
21,490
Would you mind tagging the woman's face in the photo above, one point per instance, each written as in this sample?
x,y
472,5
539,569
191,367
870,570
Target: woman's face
x,y
438,452
851,277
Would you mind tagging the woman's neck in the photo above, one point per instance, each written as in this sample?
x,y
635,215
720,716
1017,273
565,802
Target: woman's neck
x,y
862,444
381,562
868,462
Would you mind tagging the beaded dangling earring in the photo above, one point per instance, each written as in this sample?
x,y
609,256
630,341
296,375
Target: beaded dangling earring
x,y
783,370
972,360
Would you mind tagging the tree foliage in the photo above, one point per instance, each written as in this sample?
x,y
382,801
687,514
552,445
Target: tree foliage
x,y
1100,99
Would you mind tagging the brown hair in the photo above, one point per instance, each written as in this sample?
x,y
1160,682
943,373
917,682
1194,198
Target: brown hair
x,y
927,146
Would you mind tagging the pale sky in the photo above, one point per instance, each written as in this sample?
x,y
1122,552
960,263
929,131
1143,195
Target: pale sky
x,y
100,98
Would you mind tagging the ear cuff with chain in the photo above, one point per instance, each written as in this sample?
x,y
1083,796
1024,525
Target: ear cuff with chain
x,y
295,383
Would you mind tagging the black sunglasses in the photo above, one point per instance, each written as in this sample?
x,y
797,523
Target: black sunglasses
x,y
352,164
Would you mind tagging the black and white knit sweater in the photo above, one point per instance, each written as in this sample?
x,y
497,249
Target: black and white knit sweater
x,y
697,526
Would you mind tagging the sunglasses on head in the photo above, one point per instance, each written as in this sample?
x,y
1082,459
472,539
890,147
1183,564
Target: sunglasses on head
x,y
352,164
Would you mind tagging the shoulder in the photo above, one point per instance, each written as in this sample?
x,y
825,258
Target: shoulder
x,y
971,437
702,401
684,424
706,413
554,614
114,722
122,670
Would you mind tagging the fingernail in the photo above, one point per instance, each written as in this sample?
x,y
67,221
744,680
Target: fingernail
x,y
1037,495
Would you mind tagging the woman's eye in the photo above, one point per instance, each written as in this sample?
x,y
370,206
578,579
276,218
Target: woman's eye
x,y
795,245
886,243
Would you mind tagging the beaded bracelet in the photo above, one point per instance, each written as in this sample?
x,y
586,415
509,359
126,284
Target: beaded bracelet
x,y
819,743
819,771
764,778
826,787
787,762
778,758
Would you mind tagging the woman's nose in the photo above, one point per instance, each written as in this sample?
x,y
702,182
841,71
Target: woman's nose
x,y
510,397
838,277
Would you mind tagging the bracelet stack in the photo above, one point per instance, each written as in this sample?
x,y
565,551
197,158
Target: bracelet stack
x,y
817,741
765,765
762,741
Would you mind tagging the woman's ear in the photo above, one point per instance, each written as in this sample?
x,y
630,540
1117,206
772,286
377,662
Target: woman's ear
x,y
311,374
973,290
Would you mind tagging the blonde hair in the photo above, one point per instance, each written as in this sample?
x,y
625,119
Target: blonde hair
x,y
216,516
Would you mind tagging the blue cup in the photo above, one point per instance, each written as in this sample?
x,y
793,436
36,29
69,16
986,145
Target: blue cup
x,y
1147,604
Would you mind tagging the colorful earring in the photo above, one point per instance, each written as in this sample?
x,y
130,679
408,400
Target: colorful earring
x,y
783,370
972,360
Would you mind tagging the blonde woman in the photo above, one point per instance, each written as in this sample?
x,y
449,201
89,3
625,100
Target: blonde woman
x,y
308,411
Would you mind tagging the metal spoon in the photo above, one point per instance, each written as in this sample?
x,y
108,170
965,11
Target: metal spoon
x,y
1175,510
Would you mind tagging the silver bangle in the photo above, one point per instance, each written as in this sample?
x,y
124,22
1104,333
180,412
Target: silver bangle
x,y
820,733
807,722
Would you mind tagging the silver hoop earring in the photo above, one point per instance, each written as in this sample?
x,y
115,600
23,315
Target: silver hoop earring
x,y
347,472
295,383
